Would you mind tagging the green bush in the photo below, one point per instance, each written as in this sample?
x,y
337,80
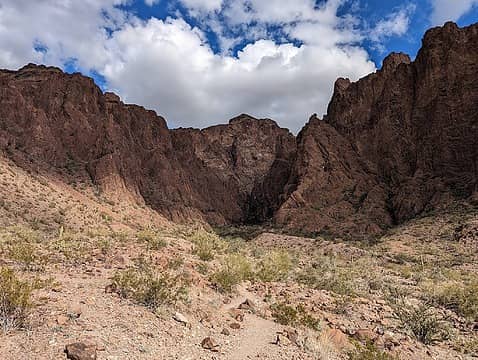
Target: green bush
x,y
75,248
463,299
15,300
294,315
370,352
324,274
26,254
422,323
148,287
235,269
152,239
275,266
207,245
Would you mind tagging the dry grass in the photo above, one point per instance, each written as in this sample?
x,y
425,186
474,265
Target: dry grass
x,y
235,269
149,286
15,300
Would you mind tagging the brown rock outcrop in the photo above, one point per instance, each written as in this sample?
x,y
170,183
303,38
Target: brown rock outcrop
x,y
398,142
66,124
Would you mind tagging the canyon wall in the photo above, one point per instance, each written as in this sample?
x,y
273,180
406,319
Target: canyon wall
x,y
395,144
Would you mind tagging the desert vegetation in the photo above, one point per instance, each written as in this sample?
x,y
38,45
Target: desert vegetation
x,y
326,298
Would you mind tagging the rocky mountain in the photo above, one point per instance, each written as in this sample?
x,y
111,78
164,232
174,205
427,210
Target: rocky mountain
x,y
393,145
398,142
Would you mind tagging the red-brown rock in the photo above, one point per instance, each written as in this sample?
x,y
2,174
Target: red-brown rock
x,y
393,145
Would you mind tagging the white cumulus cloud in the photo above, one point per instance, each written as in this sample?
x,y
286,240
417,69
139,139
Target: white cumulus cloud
x,y
167,65
396,23
202,5
450,10
151,2
171,67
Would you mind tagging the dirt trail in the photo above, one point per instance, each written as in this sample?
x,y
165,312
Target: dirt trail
x,y
256,339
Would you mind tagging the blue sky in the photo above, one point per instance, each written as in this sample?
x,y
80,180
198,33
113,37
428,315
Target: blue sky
x,y
371,10
201,62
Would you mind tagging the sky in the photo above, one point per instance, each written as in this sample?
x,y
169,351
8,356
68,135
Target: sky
x,y
202,62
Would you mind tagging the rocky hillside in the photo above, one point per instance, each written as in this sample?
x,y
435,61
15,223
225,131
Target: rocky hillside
x,y
65,125
393,145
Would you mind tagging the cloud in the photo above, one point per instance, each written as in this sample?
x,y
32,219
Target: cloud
x,y
202,5
395,24
292,53
167,65
446,10
151,2
54,32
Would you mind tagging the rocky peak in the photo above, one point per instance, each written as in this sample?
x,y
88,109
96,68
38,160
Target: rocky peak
x,y
392,61
341,85
394,144
112,98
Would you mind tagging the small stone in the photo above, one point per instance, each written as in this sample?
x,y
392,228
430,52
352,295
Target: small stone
x,y
239,317
226,332
210,344
247,305
62,319
365,335
110,289
292,335
235,326
74,312
180,318
80,351
282,340
119,259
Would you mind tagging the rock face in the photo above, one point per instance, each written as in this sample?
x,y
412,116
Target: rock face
x,y
230,168
66,124
396,143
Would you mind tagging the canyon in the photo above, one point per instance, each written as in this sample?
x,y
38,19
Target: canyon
x,y
396,144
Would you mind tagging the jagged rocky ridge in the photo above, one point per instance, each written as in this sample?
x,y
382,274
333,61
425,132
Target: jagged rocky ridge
x,y
398,142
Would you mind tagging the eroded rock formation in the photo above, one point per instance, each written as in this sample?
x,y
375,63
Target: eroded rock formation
x,y
396,143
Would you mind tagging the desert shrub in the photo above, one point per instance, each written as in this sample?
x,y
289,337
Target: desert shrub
x,y
104,244
274,266
422,323
152,239
26,254
75,248
467,346
324,274
149,287
369,352
202,268
207,245
323,347
235,245
461,298
120,236
294,316
25,234
15,300
396,294
235,269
